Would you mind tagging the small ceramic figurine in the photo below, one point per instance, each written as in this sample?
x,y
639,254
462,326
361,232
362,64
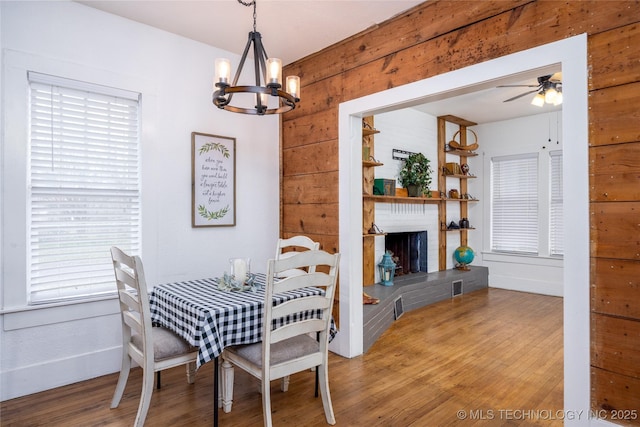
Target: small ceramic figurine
x,y
465,168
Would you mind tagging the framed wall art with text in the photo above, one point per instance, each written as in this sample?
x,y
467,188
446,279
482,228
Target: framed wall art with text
x,y
213,180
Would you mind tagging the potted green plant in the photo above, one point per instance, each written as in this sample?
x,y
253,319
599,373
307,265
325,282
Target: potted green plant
x,y
415,175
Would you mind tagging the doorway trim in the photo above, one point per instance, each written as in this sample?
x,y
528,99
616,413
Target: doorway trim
x,y
571,55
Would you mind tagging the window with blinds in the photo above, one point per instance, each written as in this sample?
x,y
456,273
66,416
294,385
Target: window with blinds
x,y
514,204
556,234
84,186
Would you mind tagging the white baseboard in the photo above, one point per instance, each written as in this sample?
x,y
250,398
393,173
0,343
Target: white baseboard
x,y
35,378
525,285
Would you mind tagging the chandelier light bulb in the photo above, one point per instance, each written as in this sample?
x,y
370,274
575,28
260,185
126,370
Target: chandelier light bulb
x,y
293,86
274,71
223,71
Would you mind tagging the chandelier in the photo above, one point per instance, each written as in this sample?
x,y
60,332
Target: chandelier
x,y
268,80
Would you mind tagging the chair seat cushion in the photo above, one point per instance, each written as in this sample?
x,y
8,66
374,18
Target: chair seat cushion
x,y
282,351
165,343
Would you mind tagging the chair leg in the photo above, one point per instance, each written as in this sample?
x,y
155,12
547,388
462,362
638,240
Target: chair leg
x,y
122,381
145,398
227,386
323,376
284,383
266,401
191,372
158,380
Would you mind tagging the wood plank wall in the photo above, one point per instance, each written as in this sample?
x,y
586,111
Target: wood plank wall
x,y
440,36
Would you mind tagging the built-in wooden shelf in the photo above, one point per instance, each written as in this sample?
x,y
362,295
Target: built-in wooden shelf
x,y
458,229
458,120
371,163
396,199
461,153
463,200
460,176
374,235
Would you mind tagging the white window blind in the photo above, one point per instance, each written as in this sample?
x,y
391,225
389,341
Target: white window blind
x,y
514,204
84,186
556,227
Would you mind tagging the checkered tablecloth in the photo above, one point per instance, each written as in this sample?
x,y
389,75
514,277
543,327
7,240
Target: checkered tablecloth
x,y
211,319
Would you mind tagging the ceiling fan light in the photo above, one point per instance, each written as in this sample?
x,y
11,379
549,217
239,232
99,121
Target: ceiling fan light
x,y
550,95
558,99
538,100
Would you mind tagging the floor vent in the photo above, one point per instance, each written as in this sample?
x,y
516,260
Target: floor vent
x,y
398,308
456,288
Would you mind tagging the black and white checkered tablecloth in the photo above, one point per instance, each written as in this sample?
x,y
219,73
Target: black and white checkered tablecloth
x,y
211,319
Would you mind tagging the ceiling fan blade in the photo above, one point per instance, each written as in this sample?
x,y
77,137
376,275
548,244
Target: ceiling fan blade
x,y
518,86
520,96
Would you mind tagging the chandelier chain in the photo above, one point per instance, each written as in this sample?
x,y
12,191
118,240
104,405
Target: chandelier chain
x,y
255,15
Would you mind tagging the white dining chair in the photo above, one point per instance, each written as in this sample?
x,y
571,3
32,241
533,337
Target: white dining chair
x,y
286,248
294,347
152,348
295,243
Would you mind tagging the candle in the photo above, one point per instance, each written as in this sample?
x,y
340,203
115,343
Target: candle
x,y
240,269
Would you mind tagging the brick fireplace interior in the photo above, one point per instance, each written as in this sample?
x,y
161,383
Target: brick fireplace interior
x,y
409,251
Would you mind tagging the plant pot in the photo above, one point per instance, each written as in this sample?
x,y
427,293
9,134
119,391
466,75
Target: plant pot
x,y
414,190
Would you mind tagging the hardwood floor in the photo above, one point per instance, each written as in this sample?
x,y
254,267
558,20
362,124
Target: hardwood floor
x,y
492,357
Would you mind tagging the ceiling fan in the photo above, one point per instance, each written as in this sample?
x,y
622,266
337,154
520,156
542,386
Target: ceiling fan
x,y
548,89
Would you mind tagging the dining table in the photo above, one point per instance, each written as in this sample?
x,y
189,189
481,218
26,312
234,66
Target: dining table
x,y
211,317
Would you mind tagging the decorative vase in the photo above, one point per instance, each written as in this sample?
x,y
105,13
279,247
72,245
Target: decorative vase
x,y
414,190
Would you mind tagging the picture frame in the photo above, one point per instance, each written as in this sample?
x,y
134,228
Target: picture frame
x,y
213,180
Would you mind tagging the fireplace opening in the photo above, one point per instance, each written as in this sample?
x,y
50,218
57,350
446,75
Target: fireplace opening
x,y
409,251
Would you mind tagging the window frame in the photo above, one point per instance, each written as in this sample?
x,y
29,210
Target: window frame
x,y
514,200
13,209
544,188
94,135
556,234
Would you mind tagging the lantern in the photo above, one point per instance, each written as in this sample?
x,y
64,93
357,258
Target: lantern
x,y
387,270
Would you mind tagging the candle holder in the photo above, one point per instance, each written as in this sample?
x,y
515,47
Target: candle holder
x,y
240,269
228,284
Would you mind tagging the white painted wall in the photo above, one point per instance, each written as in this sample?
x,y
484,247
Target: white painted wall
x,y
51,346
539,134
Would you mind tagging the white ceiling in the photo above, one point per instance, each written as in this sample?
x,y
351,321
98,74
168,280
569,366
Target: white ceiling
x,y
293,29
